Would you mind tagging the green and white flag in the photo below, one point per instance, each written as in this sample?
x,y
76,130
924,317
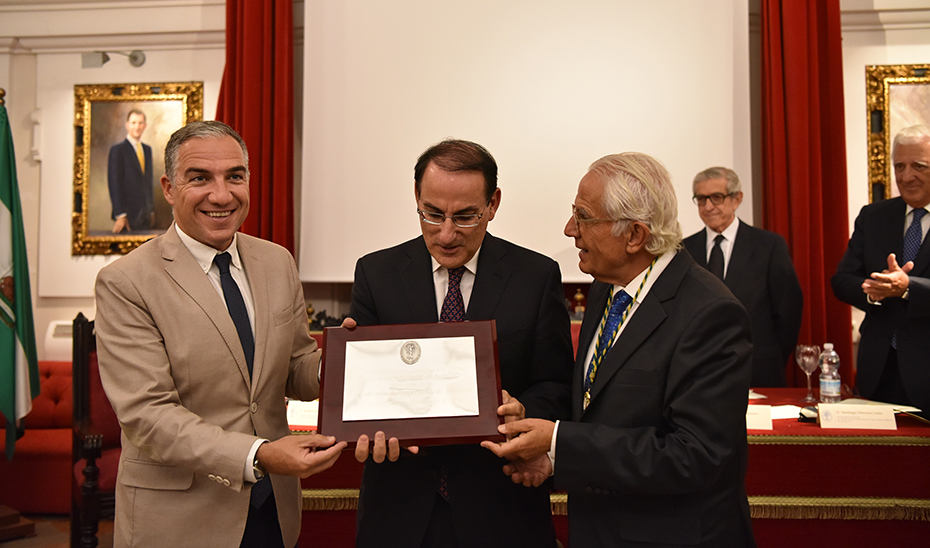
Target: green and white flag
x,y
19,370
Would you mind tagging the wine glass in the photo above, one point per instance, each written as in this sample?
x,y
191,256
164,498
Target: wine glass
x,y
807,357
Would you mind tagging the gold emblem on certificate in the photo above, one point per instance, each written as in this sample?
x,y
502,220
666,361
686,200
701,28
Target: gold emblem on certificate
x,y
410,352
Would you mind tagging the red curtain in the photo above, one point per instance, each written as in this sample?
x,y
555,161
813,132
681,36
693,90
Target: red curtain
x,y
804,160
257,99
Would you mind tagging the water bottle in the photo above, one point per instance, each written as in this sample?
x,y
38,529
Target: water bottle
x,y
829,375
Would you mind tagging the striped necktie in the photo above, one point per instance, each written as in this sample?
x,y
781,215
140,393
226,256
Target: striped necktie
x,y
609,326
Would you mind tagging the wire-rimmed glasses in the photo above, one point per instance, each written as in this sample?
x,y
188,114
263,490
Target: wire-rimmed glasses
x,y
469,220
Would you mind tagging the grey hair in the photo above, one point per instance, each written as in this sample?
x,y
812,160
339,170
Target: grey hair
x,y
637,187
911,136
207,129
727,174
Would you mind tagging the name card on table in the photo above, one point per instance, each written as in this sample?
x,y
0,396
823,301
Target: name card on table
x,y
759,417
868,417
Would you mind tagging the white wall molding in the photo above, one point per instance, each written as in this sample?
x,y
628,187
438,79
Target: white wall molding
x,y
66,27
883,15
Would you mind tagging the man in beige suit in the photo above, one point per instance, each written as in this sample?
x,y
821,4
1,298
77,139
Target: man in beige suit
x,y
197,370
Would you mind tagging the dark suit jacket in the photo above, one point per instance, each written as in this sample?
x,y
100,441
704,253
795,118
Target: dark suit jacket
x,y
131,190
659,456
879,230
760,274
522,291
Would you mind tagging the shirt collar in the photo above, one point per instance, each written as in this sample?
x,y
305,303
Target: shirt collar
x,y
471,265
631,288
729,232
204,254
909,209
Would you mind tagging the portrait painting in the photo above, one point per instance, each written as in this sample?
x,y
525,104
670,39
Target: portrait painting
x,y
897,96
121,131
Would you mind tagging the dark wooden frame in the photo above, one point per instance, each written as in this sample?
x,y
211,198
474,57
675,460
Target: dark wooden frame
x,y
416,431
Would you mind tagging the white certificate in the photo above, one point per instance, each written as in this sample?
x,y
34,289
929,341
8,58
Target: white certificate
x,y
410,378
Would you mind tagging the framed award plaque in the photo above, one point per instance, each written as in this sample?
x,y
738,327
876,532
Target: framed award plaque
x,y
424,384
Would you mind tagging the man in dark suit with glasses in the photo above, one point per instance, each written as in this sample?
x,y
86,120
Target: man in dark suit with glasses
x,y
456,495
756,267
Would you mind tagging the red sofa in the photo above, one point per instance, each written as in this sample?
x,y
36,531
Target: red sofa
x,y
38,480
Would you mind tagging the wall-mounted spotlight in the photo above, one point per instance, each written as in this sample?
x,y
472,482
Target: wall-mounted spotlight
x,y
96,59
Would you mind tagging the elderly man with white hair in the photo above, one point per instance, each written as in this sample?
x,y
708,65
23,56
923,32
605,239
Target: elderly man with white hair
x,y
655,453
886,273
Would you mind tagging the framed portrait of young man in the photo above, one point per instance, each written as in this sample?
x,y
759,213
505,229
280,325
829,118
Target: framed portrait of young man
x,y
120,135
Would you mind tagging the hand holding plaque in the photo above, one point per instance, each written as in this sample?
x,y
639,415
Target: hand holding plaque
x,y
425,384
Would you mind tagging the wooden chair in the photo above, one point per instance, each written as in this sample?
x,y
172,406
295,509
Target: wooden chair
x,y
96,441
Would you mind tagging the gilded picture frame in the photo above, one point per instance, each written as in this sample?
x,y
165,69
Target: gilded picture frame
x,y
897,96
112,185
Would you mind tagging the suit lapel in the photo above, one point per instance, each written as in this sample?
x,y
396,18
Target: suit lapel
x,y
256,272
699,253
490,281
740,256
648,316
184,270
416,275
597,301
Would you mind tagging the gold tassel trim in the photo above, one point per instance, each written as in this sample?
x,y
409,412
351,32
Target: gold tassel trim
x,y
843,508
846,508
330,499
906,441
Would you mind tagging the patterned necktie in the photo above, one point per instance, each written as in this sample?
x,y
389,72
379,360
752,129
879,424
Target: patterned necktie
x,y
609,325
236,306
453,307
453,310
912,239
140,156
715,263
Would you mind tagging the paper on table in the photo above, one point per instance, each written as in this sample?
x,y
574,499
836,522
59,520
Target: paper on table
x,y
403,379
785,412
756,395
896,407
302,415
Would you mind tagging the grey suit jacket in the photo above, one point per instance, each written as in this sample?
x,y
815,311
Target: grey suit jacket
x,y
760,274
659,456
173,369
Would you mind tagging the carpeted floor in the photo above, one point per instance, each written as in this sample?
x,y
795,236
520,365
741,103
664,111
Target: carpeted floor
x,y
53,531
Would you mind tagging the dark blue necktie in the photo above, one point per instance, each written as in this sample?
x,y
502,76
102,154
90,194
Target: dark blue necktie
x,y
240,317
618,305
912,239
236,306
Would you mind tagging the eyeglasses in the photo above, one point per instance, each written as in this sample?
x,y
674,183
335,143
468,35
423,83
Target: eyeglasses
x,y
461,221
715,198
580,216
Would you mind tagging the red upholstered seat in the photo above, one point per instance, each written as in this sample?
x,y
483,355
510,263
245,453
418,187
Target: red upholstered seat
x,y
38,480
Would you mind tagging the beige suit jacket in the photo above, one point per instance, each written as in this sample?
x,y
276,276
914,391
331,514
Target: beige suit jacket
x,y
173,368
